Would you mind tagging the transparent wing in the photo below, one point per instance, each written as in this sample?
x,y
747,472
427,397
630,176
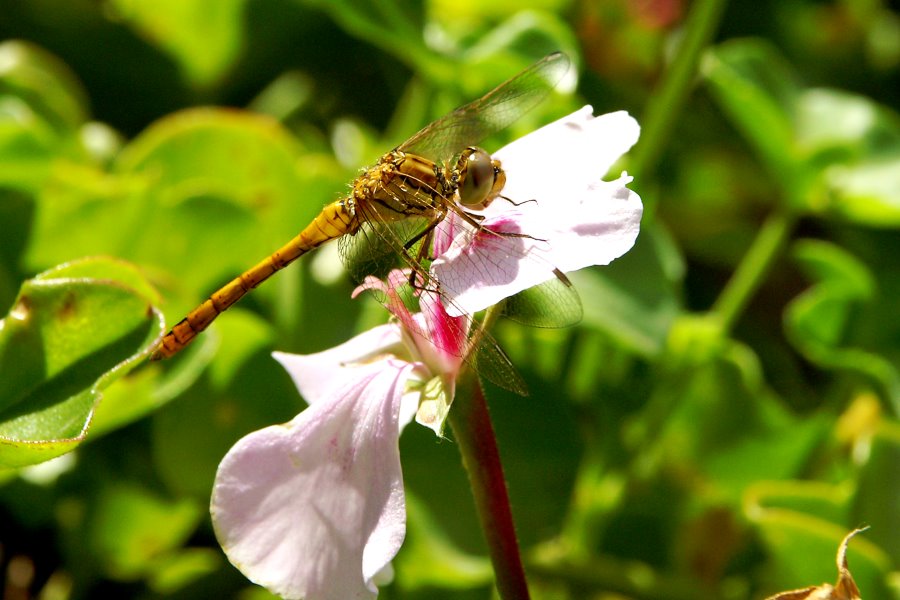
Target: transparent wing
x,y
495,259
552,304
378,247
489,360
381,246
470,124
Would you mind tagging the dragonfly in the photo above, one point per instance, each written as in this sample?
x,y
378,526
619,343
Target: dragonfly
x,y
393,208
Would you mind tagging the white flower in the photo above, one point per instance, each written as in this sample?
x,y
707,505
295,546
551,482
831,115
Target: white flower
x,y
314,508
562,214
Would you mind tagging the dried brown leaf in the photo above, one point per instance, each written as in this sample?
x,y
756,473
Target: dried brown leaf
x,y
844,589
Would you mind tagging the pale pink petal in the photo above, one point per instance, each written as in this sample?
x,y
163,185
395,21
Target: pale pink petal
x,y
314,508
565,217
388,294
318,375
446,337
609,225
563,157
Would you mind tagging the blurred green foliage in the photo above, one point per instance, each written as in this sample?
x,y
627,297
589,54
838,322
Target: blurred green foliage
x,y
724,414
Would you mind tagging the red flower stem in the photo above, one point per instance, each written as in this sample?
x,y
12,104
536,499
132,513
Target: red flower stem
x,y
474,434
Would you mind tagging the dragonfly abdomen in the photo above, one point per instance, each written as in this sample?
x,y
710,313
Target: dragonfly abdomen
x,y
335,220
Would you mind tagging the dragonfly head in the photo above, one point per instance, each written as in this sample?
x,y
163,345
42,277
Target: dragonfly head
x,y
481,178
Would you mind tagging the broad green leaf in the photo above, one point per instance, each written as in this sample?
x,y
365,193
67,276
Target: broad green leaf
x,y
183,567
839,126
108,269
66,338
854,146
134,533
44,83
28,146
866,193
757,89
197,198
203,36
215,152
828,263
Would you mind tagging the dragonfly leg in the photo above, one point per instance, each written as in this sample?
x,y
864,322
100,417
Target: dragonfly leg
x,y
514,203
428,231
426,236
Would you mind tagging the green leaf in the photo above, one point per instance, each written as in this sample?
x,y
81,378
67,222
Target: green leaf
x,y
758,91
854,146
44,83
633,299
27,146
198,197
831,152
867,193
133,533
204,36
67,337
819,322
181,568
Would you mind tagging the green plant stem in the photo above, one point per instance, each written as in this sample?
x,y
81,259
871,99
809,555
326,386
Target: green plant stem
x,y
753,269
474,434
667,100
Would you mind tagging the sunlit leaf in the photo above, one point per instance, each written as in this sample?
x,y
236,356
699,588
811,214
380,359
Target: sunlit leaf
x,y
204,36
66,338
44,82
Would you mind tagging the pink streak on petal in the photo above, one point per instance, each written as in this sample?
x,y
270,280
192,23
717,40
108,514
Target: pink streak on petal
x,y
315,508
446,335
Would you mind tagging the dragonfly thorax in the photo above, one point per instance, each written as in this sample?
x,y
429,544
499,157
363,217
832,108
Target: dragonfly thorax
x,y
402,185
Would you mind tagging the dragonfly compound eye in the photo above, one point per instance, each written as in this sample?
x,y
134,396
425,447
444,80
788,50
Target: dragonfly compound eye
x,y
476,176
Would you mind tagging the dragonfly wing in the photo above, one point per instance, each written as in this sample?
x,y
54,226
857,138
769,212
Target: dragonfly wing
x,y
378,247
470,124
551,304
491,362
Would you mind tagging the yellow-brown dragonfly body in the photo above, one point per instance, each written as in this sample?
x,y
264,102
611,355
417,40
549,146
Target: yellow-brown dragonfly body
x,y
418,181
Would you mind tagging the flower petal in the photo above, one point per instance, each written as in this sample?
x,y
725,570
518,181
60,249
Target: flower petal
x,y
318,375
314,508
565,217
564,156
